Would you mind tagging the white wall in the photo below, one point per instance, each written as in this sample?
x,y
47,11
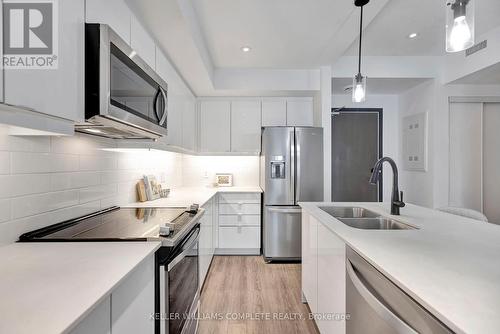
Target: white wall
x,y
45,180
390,106
418,186
201,170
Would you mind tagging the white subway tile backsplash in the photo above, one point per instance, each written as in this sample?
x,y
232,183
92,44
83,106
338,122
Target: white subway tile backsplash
x,y
23,163
4,162
23,184
35,204
97,162
5,210
28,144
97,192
75,211
64,181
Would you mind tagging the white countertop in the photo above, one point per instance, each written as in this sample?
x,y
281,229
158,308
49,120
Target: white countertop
x,y
183,197
451,265
50,287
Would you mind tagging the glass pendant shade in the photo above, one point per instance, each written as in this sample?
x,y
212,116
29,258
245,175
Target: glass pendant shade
x,y
459,25
359,89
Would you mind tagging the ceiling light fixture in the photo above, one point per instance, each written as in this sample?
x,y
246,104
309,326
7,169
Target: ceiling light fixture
x,y
359,81
412,35
459,25
246,49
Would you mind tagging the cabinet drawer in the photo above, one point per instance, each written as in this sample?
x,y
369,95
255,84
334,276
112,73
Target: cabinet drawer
x,y
234,209
239,220
239,237
239,198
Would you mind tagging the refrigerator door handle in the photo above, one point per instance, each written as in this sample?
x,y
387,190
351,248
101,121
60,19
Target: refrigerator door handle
x,y
297,166
285,211
292,167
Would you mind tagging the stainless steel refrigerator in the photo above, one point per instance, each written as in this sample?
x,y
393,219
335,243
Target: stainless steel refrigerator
x,y
291,172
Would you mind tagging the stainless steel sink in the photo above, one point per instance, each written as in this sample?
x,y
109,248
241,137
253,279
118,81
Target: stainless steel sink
x,y
349,212
379,223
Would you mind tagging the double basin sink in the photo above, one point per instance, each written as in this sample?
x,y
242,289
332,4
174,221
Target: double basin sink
x,y
364,219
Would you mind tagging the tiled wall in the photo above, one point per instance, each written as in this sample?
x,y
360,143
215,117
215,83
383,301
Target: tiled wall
x,y
45,180
201,170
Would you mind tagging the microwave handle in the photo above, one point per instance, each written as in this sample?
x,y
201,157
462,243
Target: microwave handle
x,y
155,104
165,108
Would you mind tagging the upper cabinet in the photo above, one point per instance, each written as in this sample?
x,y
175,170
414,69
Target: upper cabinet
x,y
293,111
274,112
115,13
299,111
215,126
142,43
245,126
56,91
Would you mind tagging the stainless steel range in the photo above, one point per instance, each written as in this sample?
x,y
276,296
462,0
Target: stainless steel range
x,y
177,261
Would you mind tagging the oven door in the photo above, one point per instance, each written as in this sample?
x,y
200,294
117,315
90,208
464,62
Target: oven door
x,y
179,287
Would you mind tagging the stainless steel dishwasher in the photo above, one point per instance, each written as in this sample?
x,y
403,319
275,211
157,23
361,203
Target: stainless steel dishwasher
x,y
378,306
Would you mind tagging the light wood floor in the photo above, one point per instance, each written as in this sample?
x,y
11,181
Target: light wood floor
x,y
245,286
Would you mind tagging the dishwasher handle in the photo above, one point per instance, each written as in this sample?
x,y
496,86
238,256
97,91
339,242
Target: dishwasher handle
x,y
385,313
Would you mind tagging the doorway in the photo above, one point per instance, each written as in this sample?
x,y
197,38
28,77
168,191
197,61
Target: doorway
x,y
474,178
356,146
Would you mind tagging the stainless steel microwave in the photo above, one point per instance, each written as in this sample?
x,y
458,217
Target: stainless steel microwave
x,y
124,97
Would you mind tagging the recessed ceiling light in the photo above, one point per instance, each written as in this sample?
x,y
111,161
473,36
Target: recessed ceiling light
x,y
246,49
412,35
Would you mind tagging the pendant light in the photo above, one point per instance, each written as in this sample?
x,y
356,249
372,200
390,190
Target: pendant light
x,y
359,82
459,25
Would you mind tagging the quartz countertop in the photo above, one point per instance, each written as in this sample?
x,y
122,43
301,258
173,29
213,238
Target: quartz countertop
x,y
50,287
450,265
183,197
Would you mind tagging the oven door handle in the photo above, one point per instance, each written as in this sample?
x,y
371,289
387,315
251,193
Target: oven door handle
x,y
185,251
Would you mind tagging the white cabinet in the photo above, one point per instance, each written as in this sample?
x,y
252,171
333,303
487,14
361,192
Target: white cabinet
x,y
274,112
133,301
331,280
189,124
310,260
115,13
141,42
57,92
299,111
97,322
323,273
245,126
206,244
239,223
215,126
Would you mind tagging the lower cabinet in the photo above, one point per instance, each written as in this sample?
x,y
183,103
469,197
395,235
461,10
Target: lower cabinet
x,y
128,310
239,224
323,275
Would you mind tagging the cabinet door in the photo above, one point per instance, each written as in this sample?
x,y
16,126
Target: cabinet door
x,y
331,280
215,126
175,99
114,13
133,301
245,126
97,322
310,261
57,92
1,55
299,112
189,124
206,241
141,42
274,112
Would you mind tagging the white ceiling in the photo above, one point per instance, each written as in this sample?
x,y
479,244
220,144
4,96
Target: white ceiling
x,y
378,86
282,33
487,76
387,34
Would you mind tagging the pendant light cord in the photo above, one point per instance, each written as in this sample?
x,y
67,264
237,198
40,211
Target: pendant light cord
x,y
360,40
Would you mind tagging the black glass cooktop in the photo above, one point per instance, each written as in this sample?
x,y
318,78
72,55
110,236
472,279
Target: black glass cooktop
x,y
114,224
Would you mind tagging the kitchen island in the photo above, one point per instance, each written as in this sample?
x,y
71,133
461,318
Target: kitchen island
x,y
449,264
